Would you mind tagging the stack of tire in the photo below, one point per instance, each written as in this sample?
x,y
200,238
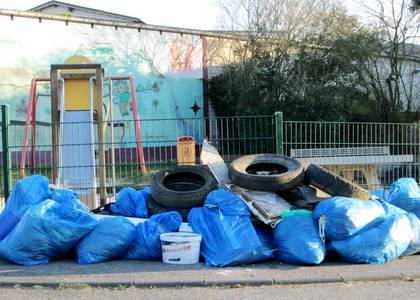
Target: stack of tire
x,y
279,173
185,187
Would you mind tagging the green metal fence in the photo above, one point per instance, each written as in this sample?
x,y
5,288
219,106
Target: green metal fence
x,y
233,136
6,159
371,154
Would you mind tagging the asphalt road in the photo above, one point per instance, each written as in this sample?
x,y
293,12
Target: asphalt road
x,y
65,279
396,289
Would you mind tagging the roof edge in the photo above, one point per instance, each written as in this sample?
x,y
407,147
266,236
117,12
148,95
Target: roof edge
x,y
138,26
49,3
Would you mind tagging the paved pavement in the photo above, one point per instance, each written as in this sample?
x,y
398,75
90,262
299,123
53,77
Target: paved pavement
x,y
156,274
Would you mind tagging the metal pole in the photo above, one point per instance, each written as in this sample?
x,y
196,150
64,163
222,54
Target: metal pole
x,y
7,178
111,121
27,127
279,132
101,144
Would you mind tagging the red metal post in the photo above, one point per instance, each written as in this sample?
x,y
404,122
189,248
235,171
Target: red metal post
x,y
34,100
140,154
27,126
205,63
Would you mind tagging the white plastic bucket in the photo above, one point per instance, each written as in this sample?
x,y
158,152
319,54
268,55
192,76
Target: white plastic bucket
x,y
180,247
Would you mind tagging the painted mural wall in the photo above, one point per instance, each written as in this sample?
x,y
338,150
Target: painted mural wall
x,y
167,68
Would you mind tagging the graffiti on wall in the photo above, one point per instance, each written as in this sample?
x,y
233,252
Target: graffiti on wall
x,y
167,67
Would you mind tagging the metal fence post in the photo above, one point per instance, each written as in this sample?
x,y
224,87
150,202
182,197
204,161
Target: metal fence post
x,y
6,153
279,132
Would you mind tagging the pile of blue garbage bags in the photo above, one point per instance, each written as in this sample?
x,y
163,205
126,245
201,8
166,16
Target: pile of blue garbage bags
x,y
39,224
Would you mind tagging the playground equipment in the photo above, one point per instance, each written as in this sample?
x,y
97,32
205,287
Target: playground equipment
x,y
76,109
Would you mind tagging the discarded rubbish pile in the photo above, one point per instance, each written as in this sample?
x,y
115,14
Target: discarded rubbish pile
x,y
236,225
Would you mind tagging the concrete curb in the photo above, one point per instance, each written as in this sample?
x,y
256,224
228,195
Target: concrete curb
x,y
196,283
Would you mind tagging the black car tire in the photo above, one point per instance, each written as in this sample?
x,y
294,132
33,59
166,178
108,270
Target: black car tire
x,y
103,209
182,187
154,208
333,184
266,172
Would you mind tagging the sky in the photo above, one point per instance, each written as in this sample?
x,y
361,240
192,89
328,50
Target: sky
x,y
196,14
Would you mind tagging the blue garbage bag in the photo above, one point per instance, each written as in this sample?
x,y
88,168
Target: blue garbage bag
x,y
346,216
61,195
298,240
228,237
380,194
26,193
392,209
405,194
47,230
146,244
266,237
414,246
109,240
384,239
131,203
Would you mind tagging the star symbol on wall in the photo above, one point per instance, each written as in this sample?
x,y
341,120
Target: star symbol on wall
x,y
195,108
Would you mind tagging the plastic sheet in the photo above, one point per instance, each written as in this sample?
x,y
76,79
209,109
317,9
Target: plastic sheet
x,y
346,216
109,240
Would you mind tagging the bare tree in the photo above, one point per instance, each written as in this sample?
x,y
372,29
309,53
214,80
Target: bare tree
x,y
288,59
389,69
